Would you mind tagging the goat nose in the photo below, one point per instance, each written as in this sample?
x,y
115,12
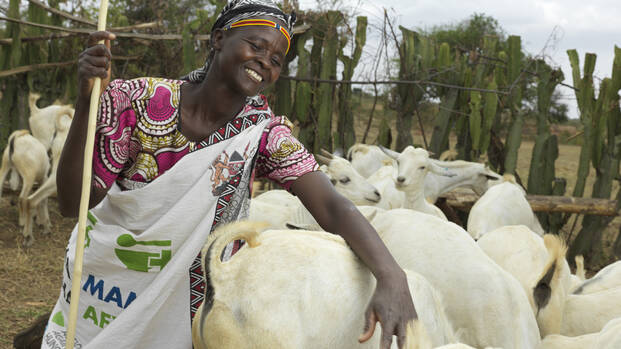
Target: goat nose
x,y
400,179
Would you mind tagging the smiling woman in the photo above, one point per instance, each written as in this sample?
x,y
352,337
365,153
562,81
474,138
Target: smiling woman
x,y
173,160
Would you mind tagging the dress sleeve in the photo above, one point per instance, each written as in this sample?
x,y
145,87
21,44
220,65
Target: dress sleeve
x,y
116,120
282,158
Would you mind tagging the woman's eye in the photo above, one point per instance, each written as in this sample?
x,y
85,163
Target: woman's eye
x,y
344,180
276,62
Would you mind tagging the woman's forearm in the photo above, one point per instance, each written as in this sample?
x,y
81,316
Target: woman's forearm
x,y
338,215
362,239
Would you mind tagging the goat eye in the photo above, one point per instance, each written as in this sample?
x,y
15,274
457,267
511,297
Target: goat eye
x,y
421,168
344,180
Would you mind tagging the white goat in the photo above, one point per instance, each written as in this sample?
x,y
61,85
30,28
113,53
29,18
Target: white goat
x,y
321,306
482,301
384,180
525,255
279,207
28,157
605,279
368,159
579,314
608,338
347,181
588,313
278,197
413,166
38,200
43,121
502,204
466,174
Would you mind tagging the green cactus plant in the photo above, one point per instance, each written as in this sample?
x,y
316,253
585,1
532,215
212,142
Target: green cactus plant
x,y
303,93
514,75
604,150
325,91
346,135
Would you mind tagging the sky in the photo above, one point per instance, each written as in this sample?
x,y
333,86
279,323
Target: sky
x,y
547,27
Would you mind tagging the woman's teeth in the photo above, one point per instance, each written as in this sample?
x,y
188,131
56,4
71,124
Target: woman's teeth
x,y
254,75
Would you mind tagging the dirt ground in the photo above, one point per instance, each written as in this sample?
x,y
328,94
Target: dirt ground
x,y
30,279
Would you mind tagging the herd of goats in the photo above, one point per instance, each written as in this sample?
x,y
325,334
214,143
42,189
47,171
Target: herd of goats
x,y
499,283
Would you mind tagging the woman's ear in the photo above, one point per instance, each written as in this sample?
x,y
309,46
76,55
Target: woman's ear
x,y
216,39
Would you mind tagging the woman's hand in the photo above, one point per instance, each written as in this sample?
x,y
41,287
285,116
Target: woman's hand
x,y
392,306
94,62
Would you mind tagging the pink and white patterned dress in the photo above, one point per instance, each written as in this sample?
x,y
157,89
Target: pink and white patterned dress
x,y
137,139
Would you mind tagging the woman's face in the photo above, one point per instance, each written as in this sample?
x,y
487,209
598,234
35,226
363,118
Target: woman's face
x,y
250,58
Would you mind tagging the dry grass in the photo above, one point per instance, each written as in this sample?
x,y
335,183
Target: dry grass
x,y
30,279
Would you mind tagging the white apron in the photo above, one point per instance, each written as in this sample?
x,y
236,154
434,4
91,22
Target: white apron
x,y
135,286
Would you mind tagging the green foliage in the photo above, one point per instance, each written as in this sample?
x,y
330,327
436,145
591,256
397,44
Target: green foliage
x,y
468,34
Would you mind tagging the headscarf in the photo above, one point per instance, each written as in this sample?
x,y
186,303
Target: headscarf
x,y
237,10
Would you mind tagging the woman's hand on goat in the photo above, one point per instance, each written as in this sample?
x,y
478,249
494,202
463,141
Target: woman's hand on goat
x,y
392,306
94,62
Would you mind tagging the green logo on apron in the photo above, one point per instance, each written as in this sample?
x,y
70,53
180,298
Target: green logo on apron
x,y
140,260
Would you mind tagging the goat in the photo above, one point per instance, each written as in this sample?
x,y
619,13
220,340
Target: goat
x,y
347,180
38,200
605,279
483,301
368,159
525,255
467,174
43,121
502,204
29,158
608,338
322,305
578,314
413,166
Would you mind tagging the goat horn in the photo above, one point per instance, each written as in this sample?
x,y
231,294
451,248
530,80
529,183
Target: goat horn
x,y
327,154
322,159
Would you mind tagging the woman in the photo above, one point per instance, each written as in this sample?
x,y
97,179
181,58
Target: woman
x,y
148,214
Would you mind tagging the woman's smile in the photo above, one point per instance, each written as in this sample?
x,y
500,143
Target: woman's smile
x,y
254,75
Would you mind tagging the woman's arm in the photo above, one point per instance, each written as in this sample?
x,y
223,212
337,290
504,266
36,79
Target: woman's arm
x,y
93,62
391,304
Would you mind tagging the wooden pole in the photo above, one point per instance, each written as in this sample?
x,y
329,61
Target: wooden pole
x,y
33,67
543,203
86,193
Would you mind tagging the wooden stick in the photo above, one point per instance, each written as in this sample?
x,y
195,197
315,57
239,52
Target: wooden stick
x,y
32,67
86,193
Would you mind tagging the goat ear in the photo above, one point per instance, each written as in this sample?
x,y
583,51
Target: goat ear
x,y
293,226
326,153
322,159
393,154
441,171
492,177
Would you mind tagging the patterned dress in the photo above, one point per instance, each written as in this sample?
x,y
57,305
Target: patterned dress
x,y
138,139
